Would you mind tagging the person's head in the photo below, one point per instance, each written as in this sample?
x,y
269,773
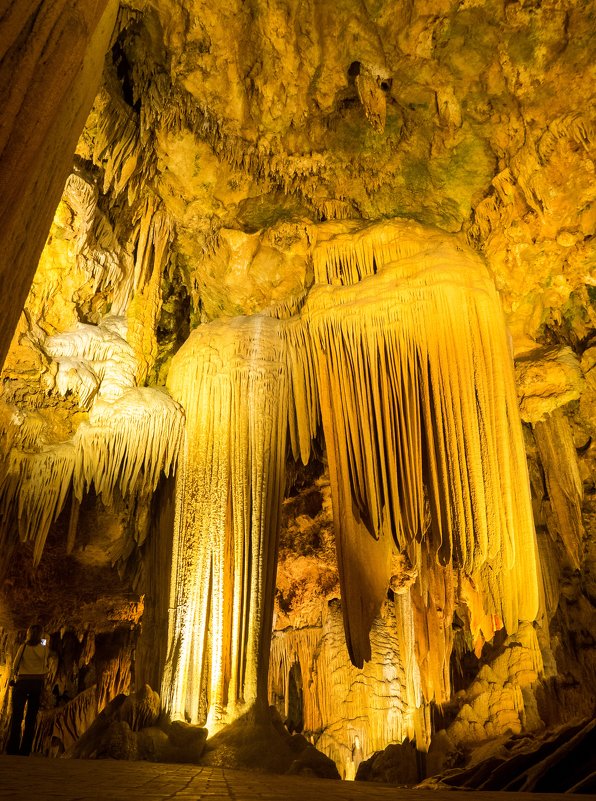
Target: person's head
x,y
34,634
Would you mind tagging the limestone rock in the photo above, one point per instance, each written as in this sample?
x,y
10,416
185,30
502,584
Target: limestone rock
x,y
547,378
442,753
311,762
397,764
257,741
176,741
130,728
141,709
274,162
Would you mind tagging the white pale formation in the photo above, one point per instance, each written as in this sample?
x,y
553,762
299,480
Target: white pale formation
x,y
133,434
419,410
231,379
93,359
127,443
33,491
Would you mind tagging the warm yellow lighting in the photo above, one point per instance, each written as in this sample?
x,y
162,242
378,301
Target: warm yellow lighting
x,y
417,399
231,378
401,352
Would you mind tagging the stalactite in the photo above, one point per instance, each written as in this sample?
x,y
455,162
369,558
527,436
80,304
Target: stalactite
x,y
372,97
563,483
116,674
34,491
482,624
406,634
418,406
574,126
128,443
433,599
93,359
152,247
341,701
288,648
132,436
231,379
117,145
99,253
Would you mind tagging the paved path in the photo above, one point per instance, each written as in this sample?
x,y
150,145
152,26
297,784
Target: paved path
x,y
39,779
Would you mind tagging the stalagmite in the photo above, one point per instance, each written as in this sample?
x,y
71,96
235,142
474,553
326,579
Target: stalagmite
x,y
231,379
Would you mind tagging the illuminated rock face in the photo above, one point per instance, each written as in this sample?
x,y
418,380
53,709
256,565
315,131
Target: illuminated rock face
x,y
419,410
405,361
220,140
232,381
51,56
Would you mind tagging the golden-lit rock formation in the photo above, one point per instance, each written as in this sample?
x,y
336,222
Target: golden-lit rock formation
x,y
232,380
297,248
419,407
50,62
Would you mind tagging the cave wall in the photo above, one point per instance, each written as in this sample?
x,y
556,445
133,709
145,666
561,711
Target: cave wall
x,y
51,60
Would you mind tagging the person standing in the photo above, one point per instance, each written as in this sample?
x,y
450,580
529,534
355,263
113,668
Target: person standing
x,y
29,671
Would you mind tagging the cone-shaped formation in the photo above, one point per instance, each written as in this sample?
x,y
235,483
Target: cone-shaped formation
x,y
231,379
419,410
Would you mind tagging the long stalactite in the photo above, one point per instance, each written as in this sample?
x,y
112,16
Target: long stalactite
x,y
420,418
231,378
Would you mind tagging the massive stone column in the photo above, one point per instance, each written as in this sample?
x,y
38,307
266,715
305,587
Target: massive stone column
x,y
232,380
51,58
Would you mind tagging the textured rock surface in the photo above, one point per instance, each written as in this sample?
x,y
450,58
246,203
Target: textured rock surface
x,y
127,729
222,137
51,56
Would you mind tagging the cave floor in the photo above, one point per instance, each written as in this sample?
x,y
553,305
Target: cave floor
x,y
38,779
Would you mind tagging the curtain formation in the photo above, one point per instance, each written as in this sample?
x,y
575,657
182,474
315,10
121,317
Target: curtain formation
x,y
232,380
419,411
399,355
131,435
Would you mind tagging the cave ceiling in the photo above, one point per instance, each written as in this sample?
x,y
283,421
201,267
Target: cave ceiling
x,y
247,123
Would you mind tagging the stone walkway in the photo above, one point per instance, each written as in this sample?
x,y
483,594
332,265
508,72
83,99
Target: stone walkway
x,y
38,779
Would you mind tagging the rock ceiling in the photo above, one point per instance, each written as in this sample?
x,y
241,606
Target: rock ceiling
x,y
231,149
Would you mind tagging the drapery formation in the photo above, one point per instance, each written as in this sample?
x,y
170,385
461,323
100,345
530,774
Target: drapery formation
x,y
420,418
400,352
231,378
131,436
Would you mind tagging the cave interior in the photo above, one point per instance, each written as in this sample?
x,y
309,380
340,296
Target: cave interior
x,y
298,398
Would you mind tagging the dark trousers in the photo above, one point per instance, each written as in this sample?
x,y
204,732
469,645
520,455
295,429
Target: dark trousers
x,y
25,691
